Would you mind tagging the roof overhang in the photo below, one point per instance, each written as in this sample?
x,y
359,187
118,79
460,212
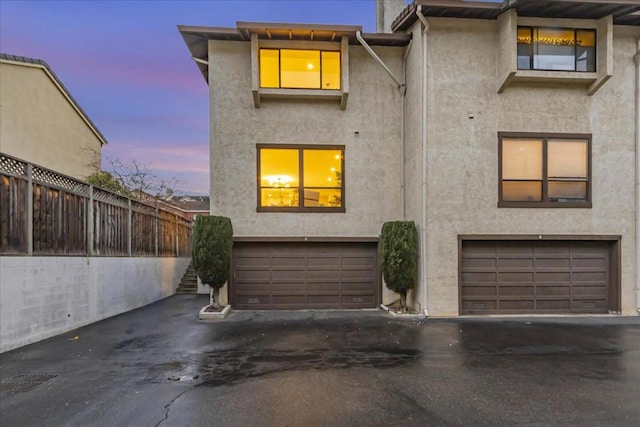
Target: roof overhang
x,y
624,12
38,63
196,38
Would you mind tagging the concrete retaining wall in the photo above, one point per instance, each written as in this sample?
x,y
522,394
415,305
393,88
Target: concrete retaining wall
x,y
41,297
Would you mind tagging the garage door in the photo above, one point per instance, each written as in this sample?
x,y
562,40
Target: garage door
x,y
501,277
304,275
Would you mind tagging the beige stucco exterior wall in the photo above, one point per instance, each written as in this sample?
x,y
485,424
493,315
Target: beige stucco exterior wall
x,y
39,124
369,129
462,169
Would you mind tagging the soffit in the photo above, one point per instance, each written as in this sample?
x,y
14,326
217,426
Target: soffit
x,y
196,38
625,12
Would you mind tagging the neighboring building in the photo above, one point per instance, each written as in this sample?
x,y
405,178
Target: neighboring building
x,y
190,206
41,122
507,132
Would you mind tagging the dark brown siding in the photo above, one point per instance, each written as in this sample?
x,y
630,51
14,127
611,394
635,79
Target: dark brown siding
x,y
520,277
294,275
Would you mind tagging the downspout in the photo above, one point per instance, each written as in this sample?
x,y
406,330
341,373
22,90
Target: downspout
x,y
377,58
402,132
403,90
423,231
637,61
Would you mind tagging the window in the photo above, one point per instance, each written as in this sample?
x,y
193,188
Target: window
x,y
300,178
556,49
544,170
299,69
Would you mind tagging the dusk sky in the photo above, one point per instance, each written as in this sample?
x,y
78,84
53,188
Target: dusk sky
x,y
129,69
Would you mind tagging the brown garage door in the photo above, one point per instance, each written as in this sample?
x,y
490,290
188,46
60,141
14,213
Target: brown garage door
x,y
304,275
500,277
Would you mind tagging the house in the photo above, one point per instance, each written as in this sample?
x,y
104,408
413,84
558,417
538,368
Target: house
x,y
506,131
190,206
42,123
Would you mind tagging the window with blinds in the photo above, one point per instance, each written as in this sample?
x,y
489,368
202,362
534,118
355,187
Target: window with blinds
x,y
544,171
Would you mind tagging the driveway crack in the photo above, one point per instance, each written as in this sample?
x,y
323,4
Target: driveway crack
x,y
167,407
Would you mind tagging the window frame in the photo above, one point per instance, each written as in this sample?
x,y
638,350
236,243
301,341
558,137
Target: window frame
x,y
575,46
280,87
545,202
301,208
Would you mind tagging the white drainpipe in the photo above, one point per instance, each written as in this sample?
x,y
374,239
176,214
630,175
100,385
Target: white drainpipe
x,y
637,60
423,231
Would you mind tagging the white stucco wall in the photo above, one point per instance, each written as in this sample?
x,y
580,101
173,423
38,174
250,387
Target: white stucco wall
x,y
369,129
41,297
462,170
40,125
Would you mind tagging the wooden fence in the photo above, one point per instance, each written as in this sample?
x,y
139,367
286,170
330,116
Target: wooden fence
x,y
43,212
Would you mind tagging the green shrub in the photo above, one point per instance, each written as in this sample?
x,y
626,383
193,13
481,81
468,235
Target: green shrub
x,y
399,254
211,255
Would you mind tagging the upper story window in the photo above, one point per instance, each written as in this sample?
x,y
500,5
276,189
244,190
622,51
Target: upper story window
x,y
299,69
544,170
556,49
300,178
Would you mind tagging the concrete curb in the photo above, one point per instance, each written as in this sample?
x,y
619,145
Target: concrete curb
x,y
208,315
403,316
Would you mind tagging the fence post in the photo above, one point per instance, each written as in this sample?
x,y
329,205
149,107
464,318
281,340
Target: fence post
x,y
29,209
129,229
91,224
156,231
175,237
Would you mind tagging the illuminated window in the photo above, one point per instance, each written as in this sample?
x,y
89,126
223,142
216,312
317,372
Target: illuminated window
x,y
544,171
556,49
300,178
299,69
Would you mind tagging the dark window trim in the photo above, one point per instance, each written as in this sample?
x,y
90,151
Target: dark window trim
x,y
279,49
545,203
301,208
575,46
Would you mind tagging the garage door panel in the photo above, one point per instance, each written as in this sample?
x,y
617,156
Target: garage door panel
x,y
359,262
480,305
553,276
515,277
472,262
590,276
516,305
252,275
356,286
287,262
552,263
513,248
305,275
590,263
553,304
534,276
333,287
479,291
327,261
479,277
356,274
546,291
257,262
515,263
358,300
323,275
515,290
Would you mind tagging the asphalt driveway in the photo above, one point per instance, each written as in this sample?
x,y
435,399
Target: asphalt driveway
x,y
159,365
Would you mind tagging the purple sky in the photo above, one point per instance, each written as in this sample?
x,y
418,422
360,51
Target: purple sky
x,y
128,67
